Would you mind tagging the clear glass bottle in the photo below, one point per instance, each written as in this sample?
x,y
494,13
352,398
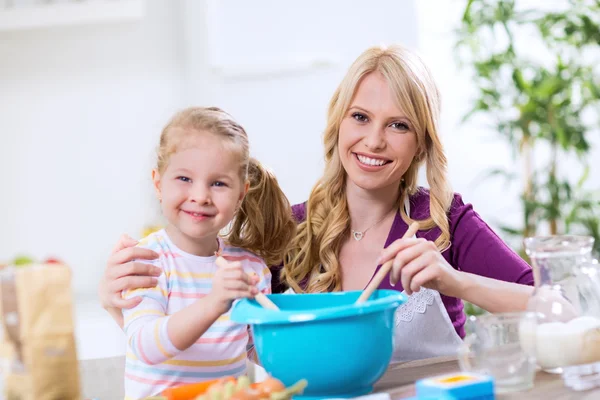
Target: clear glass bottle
x,y
566,300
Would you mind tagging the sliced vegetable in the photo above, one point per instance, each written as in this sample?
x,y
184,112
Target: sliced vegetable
x,y
191,391
246,394
229,389
235,389
243,382
224,390
268,386
296,388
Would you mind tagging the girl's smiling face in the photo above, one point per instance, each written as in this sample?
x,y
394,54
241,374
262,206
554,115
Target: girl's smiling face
x,y
200,188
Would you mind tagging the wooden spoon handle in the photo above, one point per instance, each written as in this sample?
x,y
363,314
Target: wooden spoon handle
x,y
385,268
265,302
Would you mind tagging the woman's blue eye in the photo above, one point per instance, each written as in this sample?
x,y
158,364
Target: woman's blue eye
x,y
401,126
184,179
359,117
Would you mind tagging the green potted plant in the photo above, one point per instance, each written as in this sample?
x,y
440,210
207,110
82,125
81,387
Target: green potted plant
x,y
546,106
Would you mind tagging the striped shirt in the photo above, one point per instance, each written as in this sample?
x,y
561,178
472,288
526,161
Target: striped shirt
x,y
153,363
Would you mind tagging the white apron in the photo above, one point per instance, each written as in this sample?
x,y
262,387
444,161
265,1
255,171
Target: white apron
x,y
423,326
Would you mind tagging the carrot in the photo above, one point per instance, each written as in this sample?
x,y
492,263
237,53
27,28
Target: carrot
x,y
191,391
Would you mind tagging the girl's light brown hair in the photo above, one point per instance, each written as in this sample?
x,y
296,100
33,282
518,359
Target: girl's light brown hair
x,y
312,263
264,224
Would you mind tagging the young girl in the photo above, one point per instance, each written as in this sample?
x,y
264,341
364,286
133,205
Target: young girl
x,y
180,332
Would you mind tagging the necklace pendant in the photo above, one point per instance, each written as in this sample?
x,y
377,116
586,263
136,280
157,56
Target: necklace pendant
x,y
357,235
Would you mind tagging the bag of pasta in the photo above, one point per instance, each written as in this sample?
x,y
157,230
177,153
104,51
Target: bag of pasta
x,y
36,311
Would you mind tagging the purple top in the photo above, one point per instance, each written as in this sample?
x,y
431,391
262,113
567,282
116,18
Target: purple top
x,y
475,249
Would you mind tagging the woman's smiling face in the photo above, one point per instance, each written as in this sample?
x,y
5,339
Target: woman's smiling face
x,y
376,141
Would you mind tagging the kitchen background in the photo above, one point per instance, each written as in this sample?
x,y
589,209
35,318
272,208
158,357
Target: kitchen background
x,y
86,86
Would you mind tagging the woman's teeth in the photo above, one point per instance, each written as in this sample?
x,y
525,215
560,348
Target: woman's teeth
x,y
370,161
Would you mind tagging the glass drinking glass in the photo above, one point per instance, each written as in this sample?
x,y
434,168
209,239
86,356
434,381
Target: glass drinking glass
x,y
494,348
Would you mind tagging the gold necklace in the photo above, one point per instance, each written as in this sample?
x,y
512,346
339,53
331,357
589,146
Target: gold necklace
x,y
358,235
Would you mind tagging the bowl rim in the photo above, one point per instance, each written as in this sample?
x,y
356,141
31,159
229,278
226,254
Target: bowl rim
x,y
248,311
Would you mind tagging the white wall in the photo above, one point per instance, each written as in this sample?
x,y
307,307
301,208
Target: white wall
x,y
80,111
284,113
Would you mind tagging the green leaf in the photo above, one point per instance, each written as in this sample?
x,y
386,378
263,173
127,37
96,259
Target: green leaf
x,y
584,176
539,106
519,81
511,230
466,14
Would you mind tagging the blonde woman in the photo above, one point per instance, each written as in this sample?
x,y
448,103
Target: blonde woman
x,y
382,127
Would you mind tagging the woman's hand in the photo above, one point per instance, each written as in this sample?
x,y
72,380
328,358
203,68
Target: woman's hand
x,y
418,263
124,271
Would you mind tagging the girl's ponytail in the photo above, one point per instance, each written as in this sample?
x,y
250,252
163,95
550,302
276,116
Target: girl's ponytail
x,y
264,223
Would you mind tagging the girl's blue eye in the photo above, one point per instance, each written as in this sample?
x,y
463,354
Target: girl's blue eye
x,y
219,184
184,179
359,117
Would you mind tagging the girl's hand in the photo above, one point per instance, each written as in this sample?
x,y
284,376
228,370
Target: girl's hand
x,y
418,263
122,273
230,282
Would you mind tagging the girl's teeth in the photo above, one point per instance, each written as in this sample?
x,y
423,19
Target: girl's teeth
x,y
370,161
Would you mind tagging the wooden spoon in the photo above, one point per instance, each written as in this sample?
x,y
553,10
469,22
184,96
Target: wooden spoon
x,y
260,297
385,268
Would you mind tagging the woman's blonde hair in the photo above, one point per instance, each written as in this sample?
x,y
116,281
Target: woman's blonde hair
x,y
312,263
264,222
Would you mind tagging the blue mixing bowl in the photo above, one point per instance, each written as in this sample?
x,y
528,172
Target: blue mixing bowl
x,y
339,347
